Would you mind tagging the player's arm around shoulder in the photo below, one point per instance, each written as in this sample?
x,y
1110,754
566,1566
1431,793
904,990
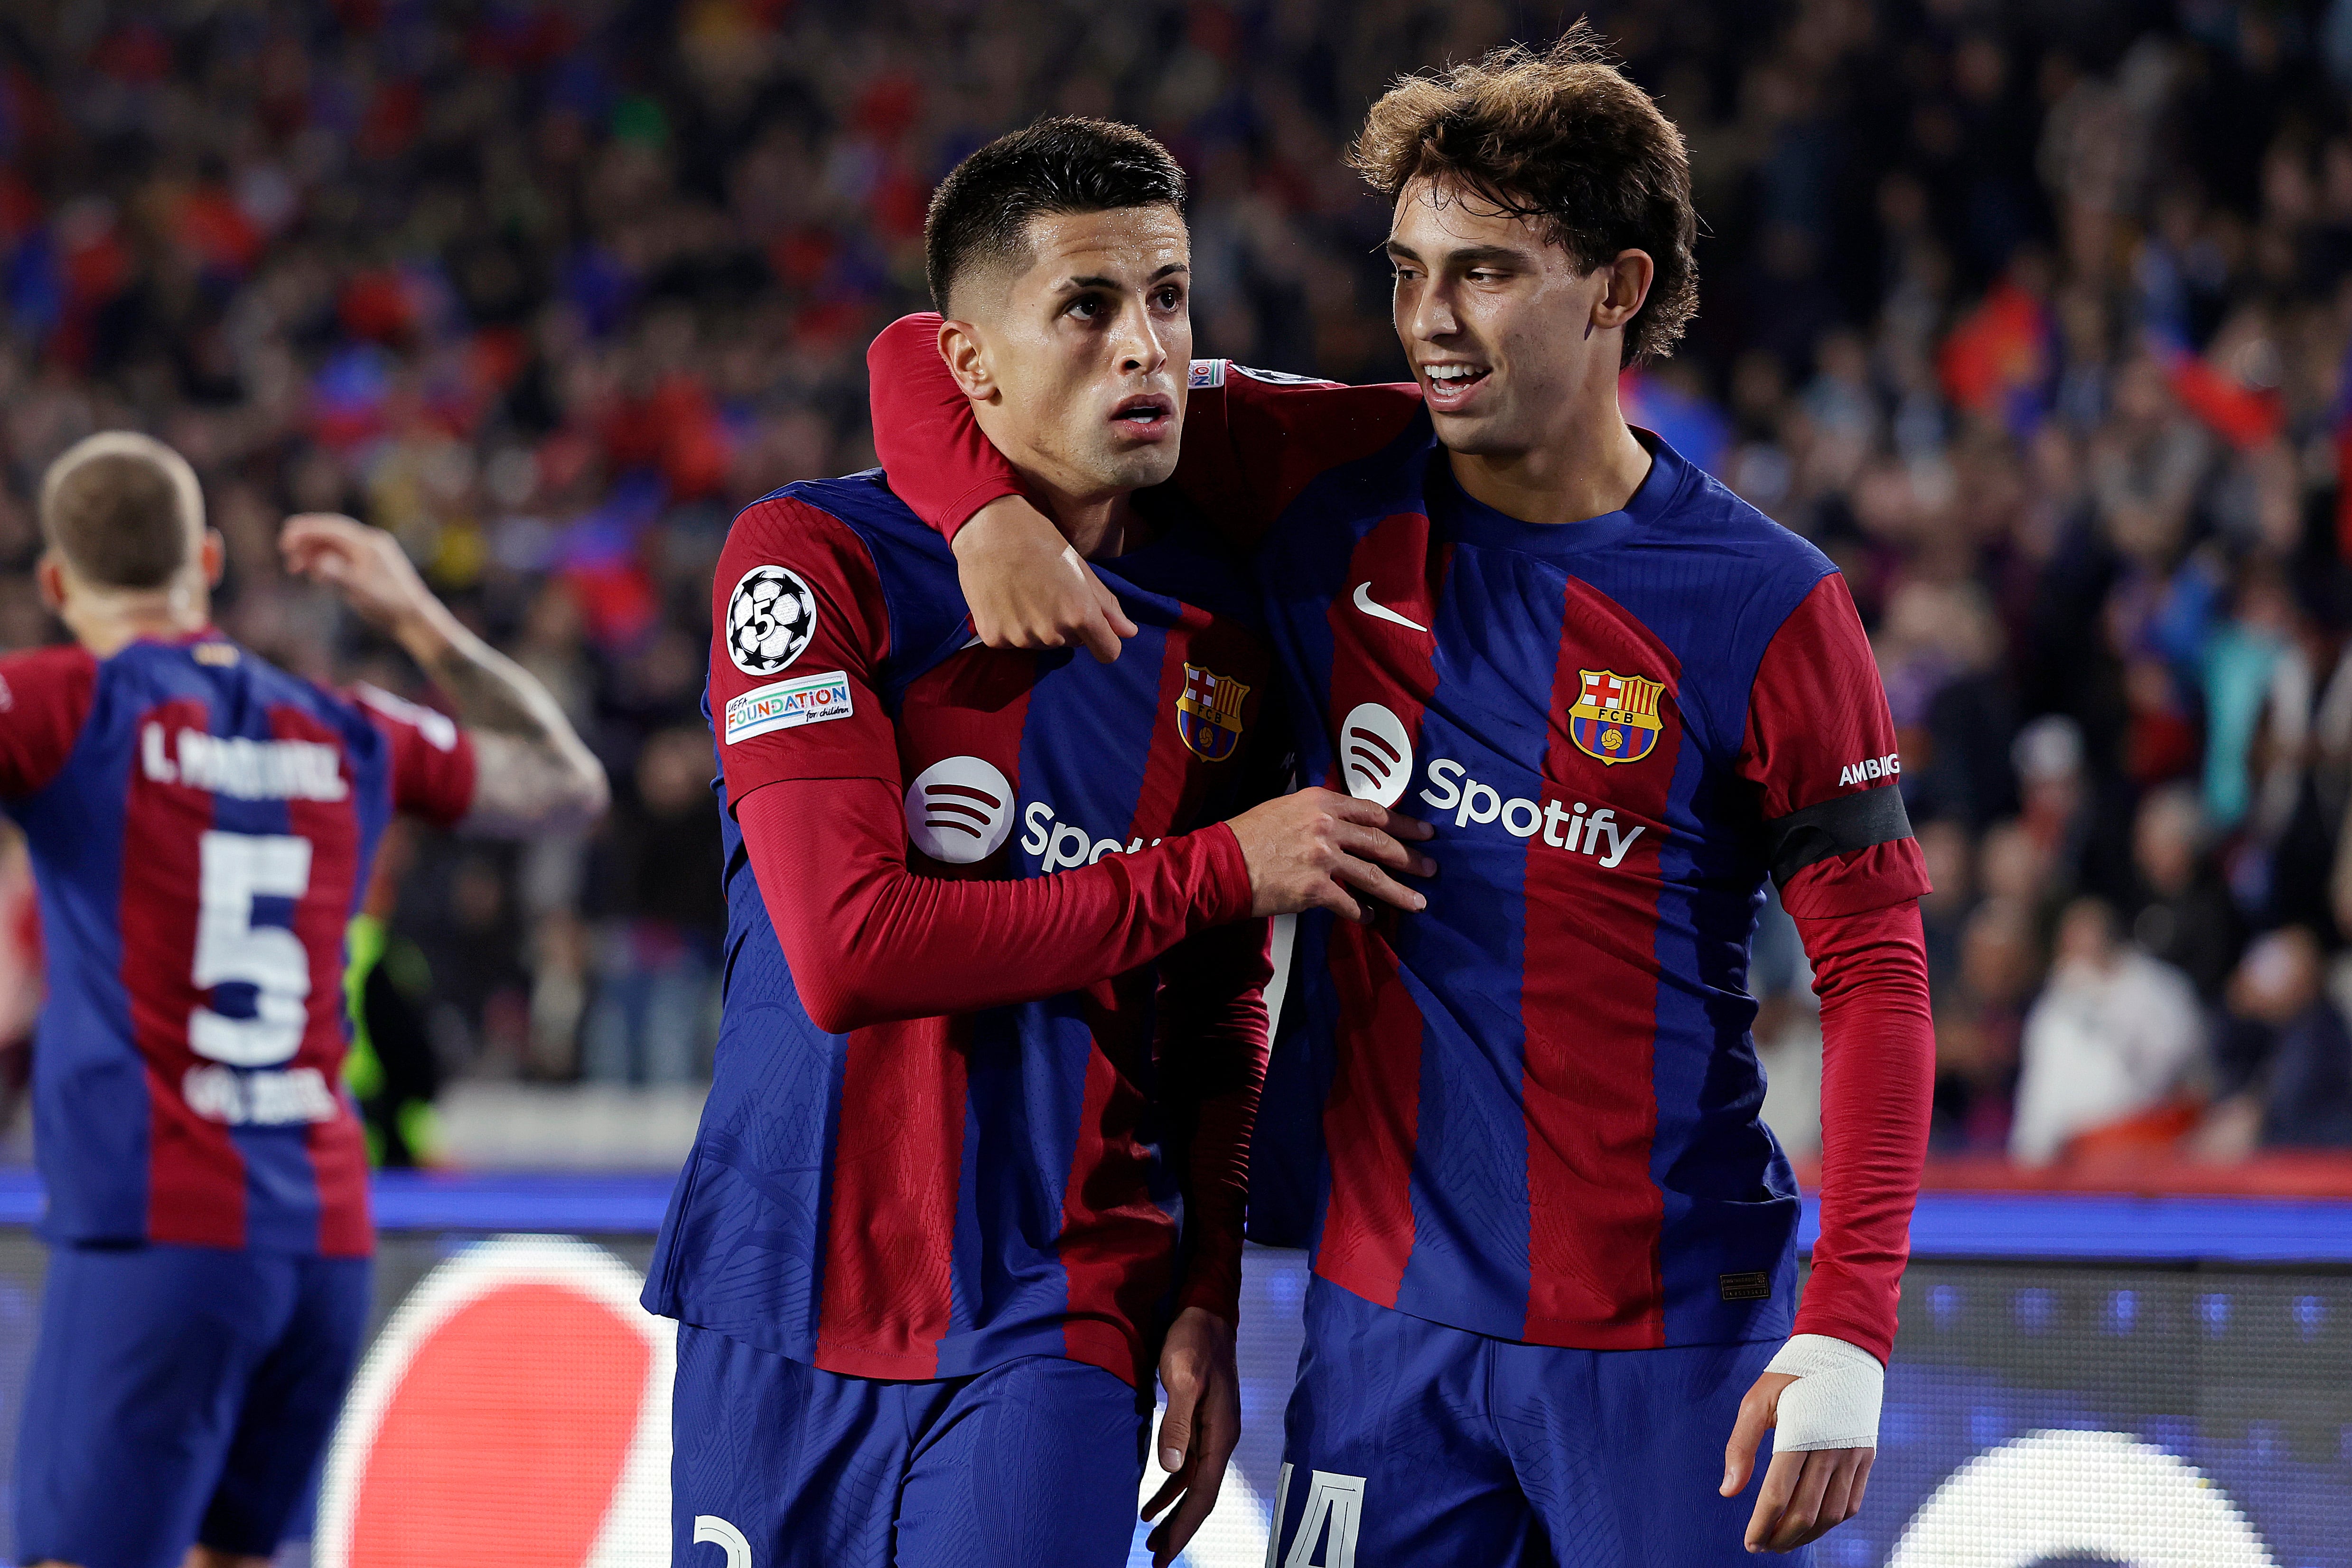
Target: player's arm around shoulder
x,y
530,771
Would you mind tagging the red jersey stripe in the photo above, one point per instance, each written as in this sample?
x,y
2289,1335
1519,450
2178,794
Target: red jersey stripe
x,y
1113,1285
1112,1282
196,1176
1594,1214
1371,1117
889,1249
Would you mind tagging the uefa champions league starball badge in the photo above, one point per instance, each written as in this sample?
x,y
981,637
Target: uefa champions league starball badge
x,y
770,618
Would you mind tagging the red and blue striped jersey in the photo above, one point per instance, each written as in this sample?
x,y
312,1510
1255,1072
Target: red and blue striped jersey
x,y
1530,1111
200,826
916,1197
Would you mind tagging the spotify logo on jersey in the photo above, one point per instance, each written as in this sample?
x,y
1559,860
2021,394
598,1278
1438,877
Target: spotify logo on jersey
x,y
1375,753
959,810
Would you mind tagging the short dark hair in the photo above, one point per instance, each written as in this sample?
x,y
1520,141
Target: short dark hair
x,y
123,508
1067,163
1562,137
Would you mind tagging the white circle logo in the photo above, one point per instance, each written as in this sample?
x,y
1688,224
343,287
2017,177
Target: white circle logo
x,y
2071,1495
959,811
771,616
1375,754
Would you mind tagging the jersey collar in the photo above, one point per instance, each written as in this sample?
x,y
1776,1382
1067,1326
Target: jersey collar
x,y
1469,521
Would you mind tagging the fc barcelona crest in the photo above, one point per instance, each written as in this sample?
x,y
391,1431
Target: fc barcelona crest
x,y
1615,717
1208,714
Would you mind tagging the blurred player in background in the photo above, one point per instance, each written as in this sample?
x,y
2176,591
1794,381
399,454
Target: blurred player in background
x,y
200,826
974,1158
1554,1246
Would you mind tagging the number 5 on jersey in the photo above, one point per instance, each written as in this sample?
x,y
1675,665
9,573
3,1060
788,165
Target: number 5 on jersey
x,y
234,870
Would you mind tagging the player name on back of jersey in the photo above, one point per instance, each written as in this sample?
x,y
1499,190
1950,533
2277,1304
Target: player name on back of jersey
x,y
241,768
262,1098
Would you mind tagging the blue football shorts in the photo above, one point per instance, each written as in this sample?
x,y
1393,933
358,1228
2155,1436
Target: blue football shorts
x,y
1410,1442
1032,1463
181,1394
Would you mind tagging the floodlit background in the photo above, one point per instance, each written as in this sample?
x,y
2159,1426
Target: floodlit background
x,y
2034,316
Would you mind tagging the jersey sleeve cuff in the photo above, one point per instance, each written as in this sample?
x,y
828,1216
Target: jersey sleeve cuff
x,y
966,507
1223,894
1218,1292
1823,1311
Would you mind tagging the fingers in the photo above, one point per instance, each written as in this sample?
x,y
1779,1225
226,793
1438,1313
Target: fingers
x,y
1100,638
1114,614
1371,843
1183,1384
1370,878
1395,824
1170,1491
1837,1497
1861,1481
1739,1453
1177,1532
1204,1476
1781,1480
1799,1516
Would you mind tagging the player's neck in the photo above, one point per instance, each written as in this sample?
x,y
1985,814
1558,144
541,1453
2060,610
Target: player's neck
x,y
106,621
1589,465
1097,526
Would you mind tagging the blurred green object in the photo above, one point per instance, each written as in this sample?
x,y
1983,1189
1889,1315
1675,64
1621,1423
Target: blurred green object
x,y
390,1068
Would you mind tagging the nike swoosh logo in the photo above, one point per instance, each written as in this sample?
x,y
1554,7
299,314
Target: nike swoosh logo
x,y
1381,612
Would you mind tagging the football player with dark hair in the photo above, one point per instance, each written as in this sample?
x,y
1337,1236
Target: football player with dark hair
x,y
973,1163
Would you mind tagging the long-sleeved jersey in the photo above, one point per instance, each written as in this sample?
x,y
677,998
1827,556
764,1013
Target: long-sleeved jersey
x,y
200,826
984,1081
1538,1099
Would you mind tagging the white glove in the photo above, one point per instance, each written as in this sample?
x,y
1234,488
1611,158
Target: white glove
x,y
1834,1402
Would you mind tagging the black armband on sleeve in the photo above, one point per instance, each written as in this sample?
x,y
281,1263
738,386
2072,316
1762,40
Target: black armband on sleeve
x,y
1838,826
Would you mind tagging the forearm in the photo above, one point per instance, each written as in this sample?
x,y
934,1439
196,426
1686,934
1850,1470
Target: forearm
x,y
1878,1060
534,772
932,450
869,941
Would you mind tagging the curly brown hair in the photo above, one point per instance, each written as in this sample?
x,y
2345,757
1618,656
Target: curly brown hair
x,y
1561,137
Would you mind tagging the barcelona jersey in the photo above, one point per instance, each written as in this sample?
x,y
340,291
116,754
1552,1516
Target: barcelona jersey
x,y
201,826
1530,1111
931,1197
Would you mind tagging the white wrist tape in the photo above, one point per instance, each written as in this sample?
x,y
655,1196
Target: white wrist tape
x,y
1834,1402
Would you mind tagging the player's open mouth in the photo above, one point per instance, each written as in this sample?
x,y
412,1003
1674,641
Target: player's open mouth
x,y
1145,416
1450,385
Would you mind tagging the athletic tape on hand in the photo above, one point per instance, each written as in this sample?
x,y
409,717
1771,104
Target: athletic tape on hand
x,y
1834,1402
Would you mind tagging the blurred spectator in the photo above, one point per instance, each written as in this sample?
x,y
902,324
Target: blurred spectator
x,y
2284,1072
655,1014
2188,918
1977,1025
2109,1040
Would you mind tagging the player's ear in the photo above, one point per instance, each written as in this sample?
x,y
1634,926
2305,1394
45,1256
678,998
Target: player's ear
x,y
967,359
50,574
213,555
1625,283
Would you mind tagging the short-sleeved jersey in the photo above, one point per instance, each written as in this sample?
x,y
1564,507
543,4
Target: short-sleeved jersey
x,y
931,1197
200,826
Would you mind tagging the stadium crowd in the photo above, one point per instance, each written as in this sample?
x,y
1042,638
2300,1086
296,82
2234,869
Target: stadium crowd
x,y
2034,318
